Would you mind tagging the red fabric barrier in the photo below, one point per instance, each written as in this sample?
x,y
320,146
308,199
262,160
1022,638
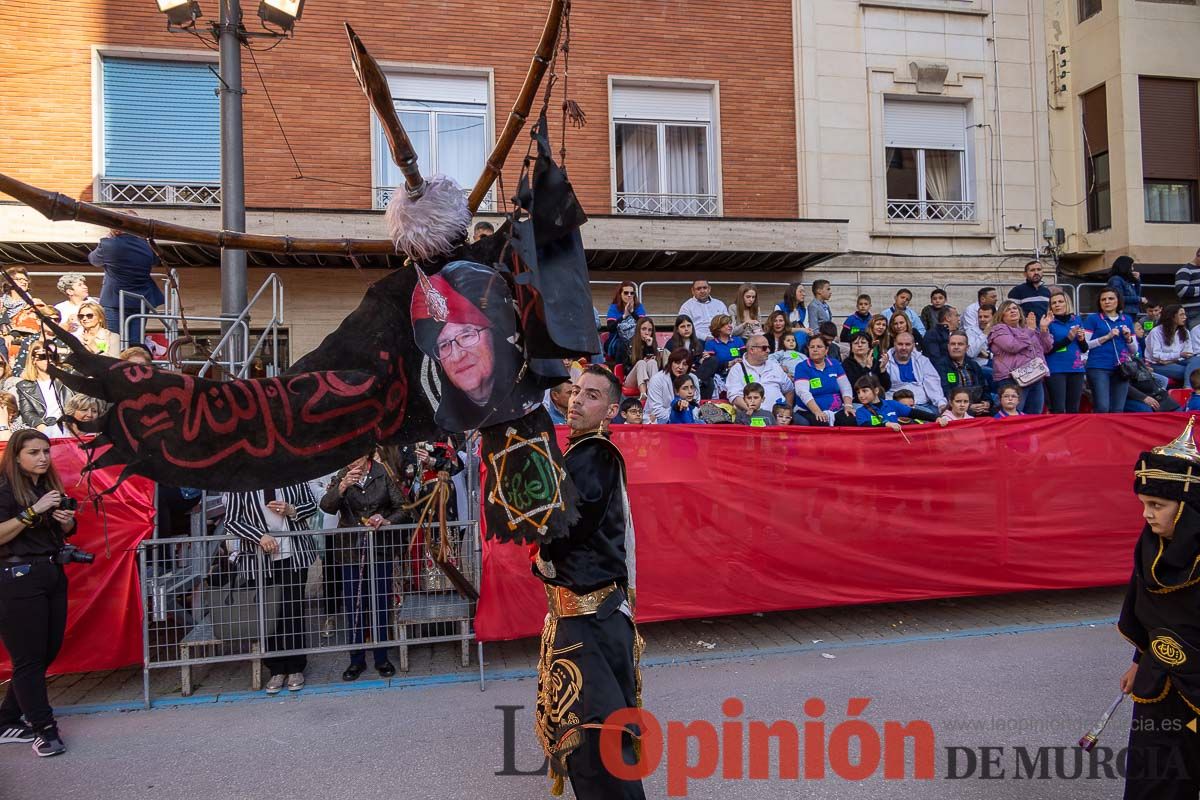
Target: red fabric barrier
x,y
733,520
104,623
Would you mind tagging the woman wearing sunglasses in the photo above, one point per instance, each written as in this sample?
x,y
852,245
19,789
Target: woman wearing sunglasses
x,y
39,398
94,333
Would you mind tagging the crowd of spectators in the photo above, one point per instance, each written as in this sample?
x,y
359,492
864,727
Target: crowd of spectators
x,y
792,363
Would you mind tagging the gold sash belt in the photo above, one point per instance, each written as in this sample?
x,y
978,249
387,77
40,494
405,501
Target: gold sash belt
x,y
565,603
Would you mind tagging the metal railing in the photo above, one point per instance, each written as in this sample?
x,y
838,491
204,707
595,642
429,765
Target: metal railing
x,y
160,193
383,196
931,210
661,204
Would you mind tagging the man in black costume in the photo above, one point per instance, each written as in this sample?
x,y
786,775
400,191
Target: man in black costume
x,y
590,646
1161,618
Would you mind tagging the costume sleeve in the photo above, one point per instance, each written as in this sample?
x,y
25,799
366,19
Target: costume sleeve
x,y
1127,623
596,473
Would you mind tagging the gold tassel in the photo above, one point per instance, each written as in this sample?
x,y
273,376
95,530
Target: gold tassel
x,y
558,786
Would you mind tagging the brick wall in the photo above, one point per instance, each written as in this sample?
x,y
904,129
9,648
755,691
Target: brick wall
x,y
46,92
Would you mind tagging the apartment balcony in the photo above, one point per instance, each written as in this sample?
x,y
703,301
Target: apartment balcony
x,y
160,193
931,210
667,205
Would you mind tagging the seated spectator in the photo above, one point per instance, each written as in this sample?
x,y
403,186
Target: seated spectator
x,y
556,401
910,370
929,314
136,354
1169,348
364,495
621,321
1154,311
744,312
1193,403
79,408
1017,342
726,350
818,309
777,327
8,381
660,392
684,405
900,306
789,354
829,333
482,229
960,372
823,395
794,298
94,332
630,412
783,413
1066,357
642,361
977,343
700,308
898,324
756,367
684,336
959,407
10,417
987,296
1010,401
859,320
934,344
74,286
40,398
751,412
1148,393
865,361
873,411
881,338
916,414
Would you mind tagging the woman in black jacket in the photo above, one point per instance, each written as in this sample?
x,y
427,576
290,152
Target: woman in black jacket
x,y
863,361
363,495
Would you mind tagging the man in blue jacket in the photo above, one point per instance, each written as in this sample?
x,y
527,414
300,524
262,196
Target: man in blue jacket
x,y
1033,295
127,261
957,371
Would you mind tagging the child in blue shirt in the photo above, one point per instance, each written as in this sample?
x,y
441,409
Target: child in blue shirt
x,y
872,412
1193,403
683,407
1010,401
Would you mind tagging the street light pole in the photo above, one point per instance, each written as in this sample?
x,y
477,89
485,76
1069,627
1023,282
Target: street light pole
x,y
233,176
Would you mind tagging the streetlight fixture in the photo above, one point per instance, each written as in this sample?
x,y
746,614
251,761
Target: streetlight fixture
x,y
281,13
182,13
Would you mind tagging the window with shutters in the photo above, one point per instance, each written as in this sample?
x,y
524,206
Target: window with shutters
x,y
446,117
663,151
161,135
926,161
1170,118
1088,8
1095,159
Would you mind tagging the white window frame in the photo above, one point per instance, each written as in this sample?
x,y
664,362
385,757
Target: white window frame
x,y
712,128
379,148
968,208
103,51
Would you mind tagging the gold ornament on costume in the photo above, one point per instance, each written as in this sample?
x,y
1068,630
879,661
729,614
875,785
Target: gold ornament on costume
x,y
1183,447
1168,651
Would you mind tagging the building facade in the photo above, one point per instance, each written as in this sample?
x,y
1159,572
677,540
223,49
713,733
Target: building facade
x,y
1125,131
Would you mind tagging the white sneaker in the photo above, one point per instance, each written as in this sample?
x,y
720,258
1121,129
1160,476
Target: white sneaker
x,y
295,681
275,685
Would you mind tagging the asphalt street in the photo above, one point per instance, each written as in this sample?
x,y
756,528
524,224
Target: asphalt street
x,y
1033,689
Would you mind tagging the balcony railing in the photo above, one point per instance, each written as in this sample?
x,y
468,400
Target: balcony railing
x,y
383,196
669,205
160,193
932,211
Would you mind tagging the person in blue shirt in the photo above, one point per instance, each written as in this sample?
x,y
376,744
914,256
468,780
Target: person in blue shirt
x,y
793,306
858,321
621,321
556,402
1065,359
1128,283
683,407
1193,403
1110,343
727,348
1010,402
874,413
126,260
823,392
900,306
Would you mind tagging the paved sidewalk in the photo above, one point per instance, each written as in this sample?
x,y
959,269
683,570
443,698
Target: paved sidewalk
x,y
666,642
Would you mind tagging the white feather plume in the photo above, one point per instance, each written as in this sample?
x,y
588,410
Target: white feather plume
x,y
431,225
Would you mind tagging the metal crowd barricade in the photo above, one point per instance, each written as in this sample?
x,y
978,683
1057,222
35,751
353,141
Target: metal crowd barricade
x,y
228,601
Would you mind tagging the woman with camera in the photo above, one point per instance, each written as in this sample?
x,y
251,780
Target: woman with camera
x,y
36,517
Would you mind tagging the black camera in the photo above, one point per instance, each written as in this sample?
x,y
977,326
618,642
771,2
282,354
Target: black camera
x,y
70,554
68,503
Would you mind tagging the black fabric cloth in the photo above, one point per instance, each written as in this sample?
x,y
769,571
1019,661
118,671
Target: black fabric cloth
x,y
288,630
592,554
43,538
33,619
1163,759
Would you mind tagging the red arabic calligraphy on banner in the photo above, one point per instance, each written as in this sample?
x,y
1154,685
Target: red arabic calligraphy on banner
x,y
104,621
734,521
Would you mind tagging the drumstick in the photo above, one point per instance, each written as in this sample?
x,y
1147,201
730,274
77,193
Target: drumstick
x,y
1089,739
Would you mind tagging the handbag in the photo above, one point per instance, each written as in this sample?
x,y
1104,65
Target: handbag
x,y
1030,373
